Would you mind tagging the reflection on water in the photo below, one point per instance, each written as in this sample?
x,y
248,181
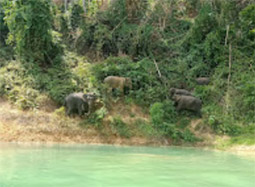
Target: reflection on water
x,y
80,165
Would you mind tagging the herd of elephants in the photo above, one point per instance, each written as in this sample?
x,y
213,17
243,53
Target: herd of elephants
x,y
81,103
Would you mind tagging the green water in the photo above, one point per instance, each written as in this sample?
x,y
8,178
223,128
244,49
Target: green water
x,y
92,166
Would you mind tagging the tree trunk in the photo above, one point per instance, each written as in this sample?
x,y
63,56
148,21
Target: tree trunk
x,y
84,6
65,5
98,3
104,5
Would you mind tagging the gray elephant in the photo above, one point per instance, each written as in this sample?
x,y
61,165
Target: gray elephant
x,y
78,103
91,99
176,91
117,82
185,102
202,80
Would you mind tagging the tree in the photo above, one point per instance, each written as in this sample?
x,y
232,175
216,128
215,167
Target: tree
x,y
136,9
3,28
30,24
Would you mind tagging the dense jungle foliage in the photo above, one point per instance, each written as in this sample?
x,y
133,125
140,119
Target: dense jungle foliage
x,y
49,49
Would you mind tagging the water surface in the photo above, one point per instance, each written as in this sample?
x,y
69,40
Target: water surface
x,y
93,165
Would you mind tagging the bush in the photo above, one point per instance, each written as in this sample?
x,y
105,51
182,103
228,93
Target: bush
x,y
188,136
247,95
17,87
24,83
76,16
120,128
223,124
97,117
157,113
248,21
145,129
208,94
163,117
204,24
163,112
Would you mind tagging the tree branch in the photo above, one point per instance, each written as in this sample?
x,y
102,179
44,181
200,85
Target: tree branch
x,y
156,65
226,38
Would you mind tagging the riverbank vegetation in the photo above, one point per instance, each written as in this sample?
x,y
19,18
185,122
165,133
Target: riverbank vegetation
x,y
49,49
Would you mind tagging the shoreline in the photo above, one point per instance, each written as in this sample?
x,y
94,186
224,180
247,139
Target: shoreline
x,y
48,128
241,150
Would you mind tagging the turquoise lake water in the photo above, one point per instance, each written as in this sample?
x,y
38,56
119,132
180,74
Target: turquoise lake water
x,y
116,166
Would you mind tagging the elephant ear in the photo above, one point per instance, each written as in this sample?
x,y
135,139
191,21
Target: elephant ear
x,y
175,97
85,97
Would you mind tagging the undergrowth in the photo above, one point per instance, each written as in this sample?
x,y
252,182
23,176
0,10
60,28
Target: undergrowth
x,y
157,47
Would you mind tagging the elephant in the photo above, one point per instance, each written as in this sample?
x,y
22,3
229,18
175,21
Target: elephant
x,y
185,102
79,103
202,80
117,82
91,99
177,91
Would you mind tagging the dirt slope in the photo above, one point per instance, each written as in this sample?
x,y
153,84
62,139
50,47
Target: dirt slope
x,y
48,127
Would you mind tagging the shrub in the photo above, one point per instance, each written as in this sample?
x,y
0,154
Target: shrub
x,y
163,117
17,86
248,21
204,23
76,16
188,136
60,111
208,94
247,96
29,81
145,128
120,128
163,112
97,117
157,113
223,124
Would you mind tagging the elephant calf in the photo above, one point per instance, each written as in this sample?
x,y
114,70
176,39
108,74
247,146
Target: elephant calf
x,y
79,103
117,82
176,91
185,102
202,80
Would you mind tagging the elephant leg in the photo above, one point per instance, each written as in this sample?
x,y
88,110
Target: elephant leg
x,y
109,91
80,109
122,91
88,113
178,107
68,111
199,113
